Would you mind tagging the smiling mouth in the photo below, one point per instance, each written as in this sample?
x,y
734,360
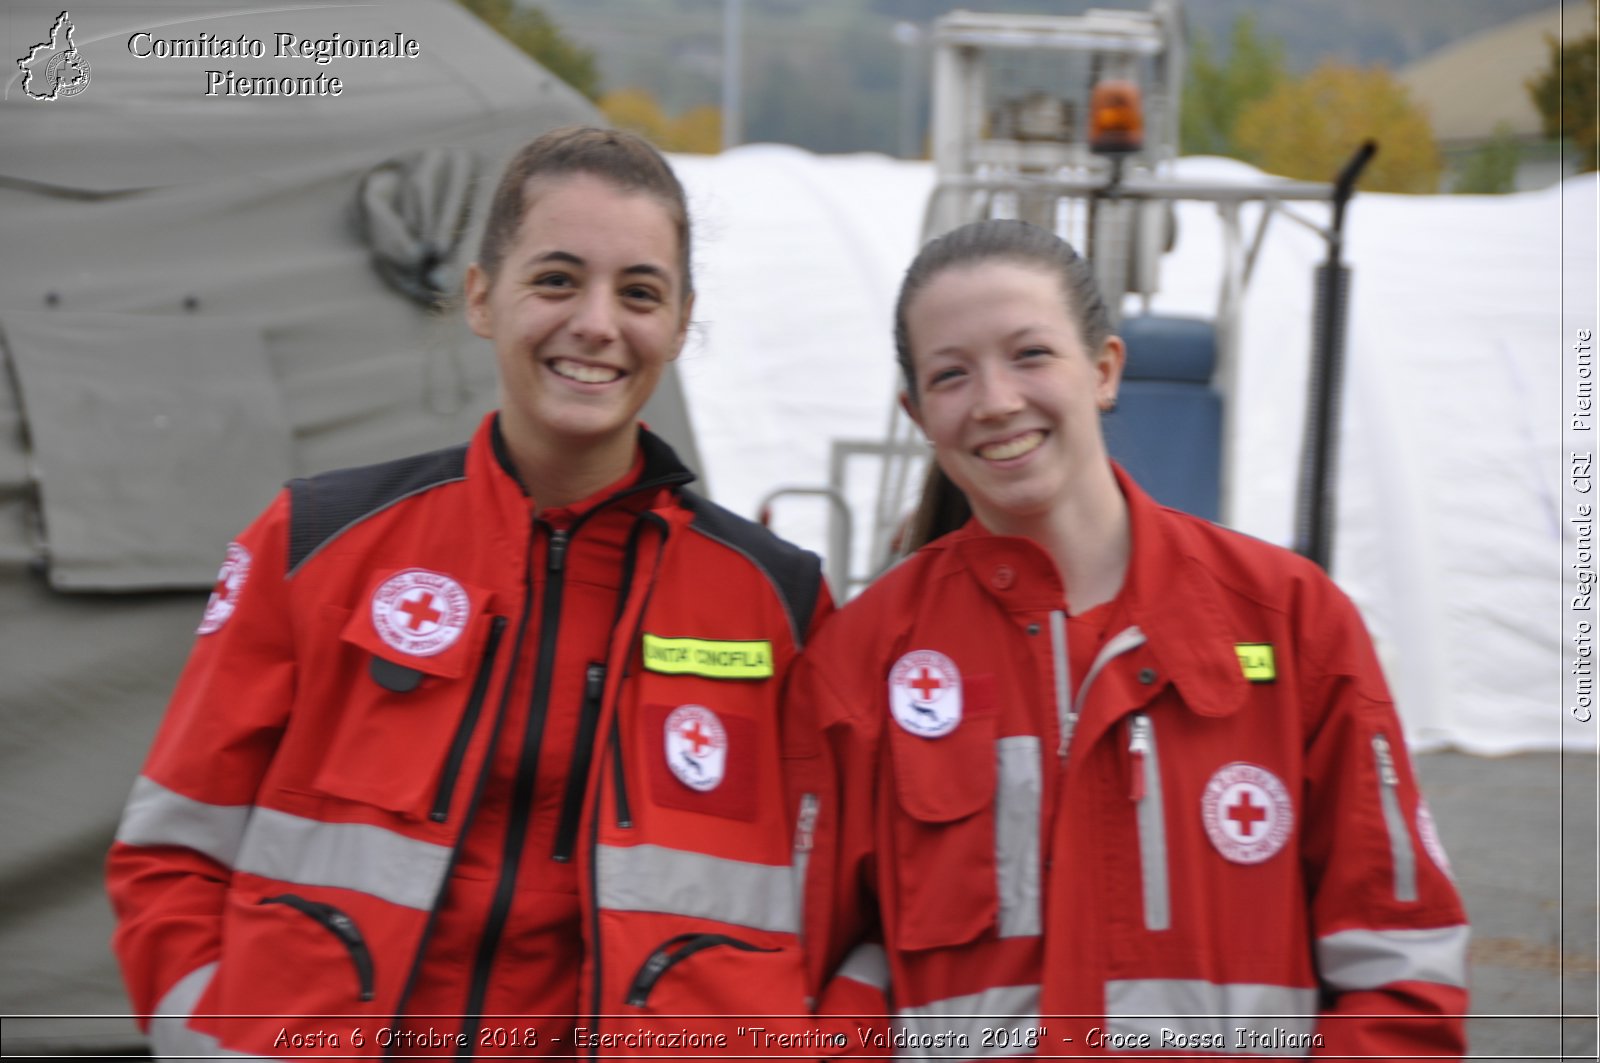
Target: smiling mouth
x,y
584,374
1015,447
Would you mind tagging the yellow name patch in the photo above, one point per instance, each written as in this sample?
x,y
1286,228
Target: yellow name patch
x,y
1256,661
708,657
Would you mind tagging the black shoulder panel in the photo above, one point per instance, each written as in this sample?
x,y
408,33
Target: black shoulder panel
x,y
323,507
796,574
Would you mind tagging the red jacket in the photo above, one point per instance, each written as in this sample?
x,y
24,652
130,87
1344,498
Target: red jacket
x,y
296,849
1204,835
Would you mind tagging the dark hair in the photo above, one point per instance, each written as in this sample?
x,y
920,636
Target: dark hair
x,y
943,507
624,159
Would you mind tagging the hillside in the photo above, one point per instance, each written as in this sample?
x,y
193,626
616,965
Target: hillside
x,y
826,74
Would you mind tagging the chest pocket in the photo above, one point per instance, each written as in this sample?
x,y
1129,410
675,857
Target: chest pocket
x,y
943,827
405,725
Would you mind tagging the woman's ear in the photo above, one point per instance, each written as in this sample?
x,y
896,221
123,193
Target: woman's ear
x,y
477,293
908,404
683,328
1109,361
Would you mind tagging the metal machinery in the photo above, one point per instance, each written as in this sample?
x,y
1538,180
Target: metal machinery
x,y
1040,118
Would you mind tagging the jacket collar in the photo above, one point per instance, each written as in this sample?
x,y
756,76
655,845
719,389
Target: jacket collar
x,y
1169,595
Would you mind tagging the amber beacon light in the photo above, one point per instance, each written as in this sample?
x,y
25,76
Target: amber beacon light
x,y
1116,118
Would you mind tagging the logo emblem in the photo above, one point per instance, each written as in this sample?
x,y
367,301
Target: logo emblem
x,y
925,693
420,612
225,594
55,69
1247,812
1429,833
696,746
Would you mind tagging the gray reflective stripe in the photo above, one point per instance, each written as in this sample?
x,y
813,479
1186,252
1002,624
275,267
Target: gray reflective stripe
x,y
1063,676
170,1035
1014,1008
1370,959
1237,1017
1127,639
352,856
1019,792
651,878
1152,819
867,964
158,816
1400,850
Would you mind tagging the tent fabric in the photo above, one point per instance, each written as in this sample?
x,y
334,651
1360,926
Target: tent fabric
x,y
412,212
122,406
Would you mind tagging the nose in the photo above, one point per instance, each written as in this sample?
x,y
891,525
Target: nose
x,y
998,395
594,318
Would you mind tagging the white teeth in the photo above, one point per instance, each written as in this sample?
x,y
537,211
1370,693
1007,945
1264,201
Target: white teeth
x,y
1011,448
585,374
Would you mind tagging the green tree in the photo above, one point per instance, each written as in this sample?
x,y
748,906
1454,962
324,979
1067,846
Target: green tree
x,y
531,30
1565,96
1492,169
1309,126
1215,93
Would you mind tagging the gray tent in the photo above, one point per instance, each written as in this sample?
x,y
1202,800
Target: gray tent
x,y
201,296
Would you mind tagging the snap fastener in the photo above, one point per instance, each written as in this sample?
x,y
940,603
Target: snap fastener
x,y
1033,629
1004,576
1147,676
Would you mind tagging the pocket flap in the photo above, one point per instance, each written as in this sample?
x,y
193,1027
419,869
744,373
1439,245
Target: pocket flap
x,y
418,619
939,780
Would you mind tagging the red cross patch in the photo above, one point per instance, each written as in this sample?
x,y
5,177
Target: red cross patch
x,y
1247,812
225,594
925,693
420,613
696,745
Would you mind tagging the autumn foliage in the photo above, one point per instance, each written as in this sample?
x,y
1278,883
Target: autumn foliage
x,y
1307,127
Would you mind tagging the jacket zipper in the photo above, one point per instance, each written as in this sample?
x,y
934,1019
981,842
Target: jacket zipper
x,y
1405,861
1069,705
1145,791
619,776
674,951
805,829
594,684
469,723
522,788
340,926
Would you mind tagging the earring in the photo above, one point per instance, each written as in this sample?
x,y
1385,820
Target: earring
x,y
1109,405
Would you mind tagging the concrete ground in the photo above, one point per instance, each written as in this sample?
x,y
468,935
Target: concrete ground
x,y
1521,835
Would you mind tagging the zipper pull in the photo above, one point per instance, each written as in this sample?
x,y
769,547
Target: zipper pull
x,y
594,681
805,827
1386,772
1138,746
558,551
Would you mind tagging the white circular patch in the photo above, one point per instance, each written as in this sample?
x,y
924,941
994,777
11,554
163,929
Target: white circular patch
x,y
225,595
1429,833
925,693
1247,812
420,612
697,747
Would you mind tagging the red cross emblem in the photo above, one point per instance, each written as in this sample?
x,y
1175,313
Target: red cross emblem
x,y
1247,811
696,737
926,683
419,610
1246,814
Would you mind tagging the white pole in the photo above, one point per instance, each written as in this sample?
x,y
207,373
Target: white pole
x,y
732,67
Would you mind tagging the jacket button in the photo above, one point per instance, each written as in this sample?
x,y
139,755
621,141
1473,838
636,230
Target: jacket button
x,y
1004,576
1033,629
1147,676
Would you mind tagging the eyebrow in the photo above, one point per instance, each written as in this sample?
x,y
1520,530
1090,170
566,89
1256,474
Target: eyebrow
x,y
956,350
642,268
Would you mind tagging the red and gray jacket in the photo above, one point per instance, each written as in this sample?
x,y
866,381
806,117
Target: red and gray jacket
x,y
1205,837
286,849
